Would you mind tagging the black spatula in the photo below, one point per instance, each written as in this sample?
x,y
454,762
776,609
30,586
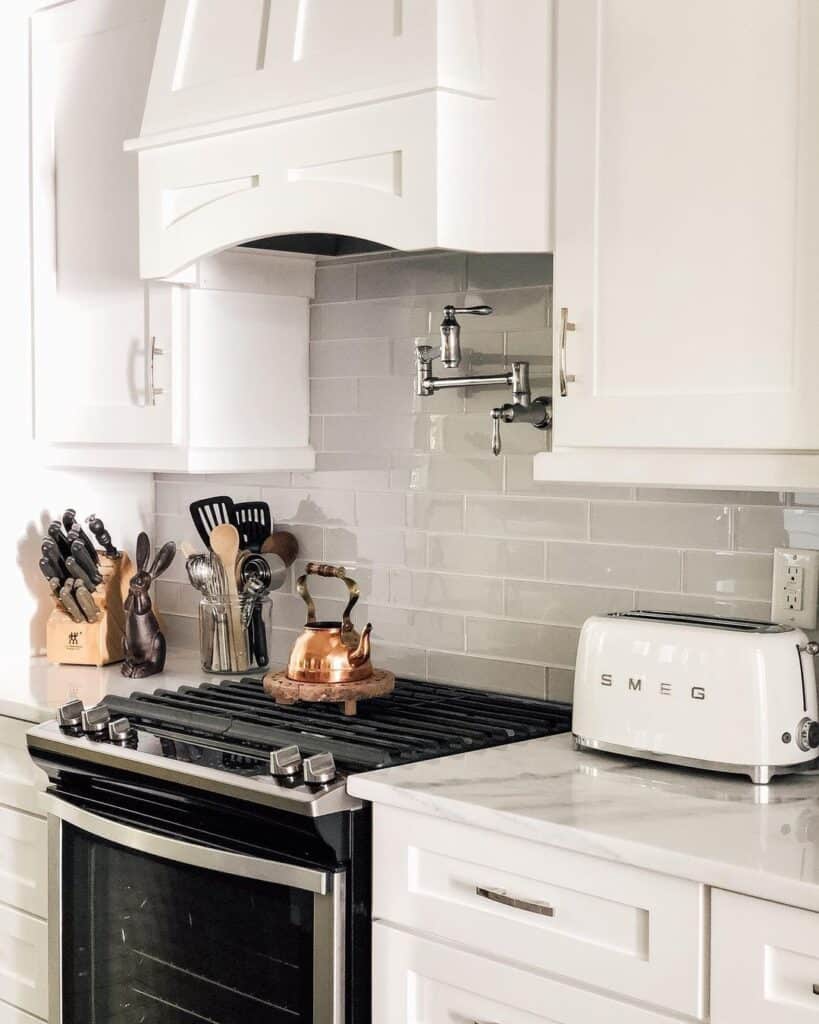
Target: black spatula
x,y
208,513
254,523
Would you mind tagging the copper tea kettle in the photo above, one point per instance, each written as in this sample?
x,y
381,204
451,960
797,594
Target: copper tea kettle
x,y
330,652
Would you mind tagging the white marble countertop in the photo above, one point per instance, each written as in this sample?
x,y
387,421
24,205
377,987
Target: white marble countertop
x,y
32,689
716,829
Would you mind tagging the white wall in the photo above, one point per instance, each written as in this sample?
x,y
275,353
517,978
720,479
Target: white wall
x,y
31,496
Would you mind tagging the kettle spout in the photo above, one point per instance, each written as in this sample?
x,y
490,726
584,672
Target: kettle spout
x,y
362,653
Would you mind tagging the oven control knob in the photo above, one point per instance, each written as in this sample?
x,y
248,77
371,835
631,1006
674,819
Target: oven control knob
x,y
95,722
319,769
807,734
285,762
69,716
120,731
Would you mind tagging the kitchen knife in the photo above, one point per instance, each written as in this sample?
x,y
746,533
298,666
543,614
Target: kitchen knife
x,y
97,527
78,533
52,553
69,518
79,573
80,552
47,569
60,538
70,605
86,602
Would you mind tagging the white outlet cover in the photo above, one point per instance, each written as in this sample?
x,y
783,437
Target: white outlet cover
x,y
795,558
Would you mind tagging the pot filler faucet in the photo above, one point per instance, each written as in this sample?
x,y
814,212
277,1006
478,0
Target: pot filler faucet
x,y
522,409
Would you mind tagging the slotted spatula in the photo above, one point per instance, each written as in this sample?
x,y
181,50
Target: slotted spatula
x,y
254,523
208,513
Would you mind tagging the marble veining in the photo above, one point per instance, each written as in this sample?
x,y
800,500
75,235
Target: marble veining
x,y
716,829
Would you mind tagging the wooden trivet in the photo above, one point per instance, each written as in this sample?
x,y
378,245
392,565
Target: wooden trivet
x,y
289,691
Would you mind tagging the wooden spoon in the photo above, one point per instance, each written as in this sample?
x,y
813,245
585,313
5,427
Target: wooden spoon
x,y
224,543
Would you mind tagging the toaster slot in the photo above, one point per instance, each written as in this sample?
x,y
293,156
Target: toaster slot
x,y
707,621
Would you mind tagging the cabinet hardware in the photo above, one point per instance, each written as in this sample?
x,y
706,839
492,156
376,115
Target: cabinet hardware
x,y
565,325
502,896
154,391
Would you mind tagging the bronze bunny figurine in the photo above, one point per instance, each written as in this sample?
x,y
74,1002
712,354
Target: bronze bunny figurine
x,y
144,643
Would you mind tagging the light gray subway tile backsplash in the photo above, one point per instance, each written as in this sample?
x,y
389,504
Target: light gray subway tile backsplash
x,y
471,571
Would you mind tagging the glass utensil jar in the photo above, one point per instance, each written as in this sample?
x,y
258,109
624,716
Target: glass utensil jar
x,y
234,635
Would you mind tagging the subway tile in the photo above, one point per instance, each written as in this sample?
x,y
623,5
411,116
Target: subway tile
x,y
333,397
347,471
446,473
181,632
699,604
535,347
395,395
310,540
307,506
560,684
379,508
472,435
175,498
614,566
508,270
519,480
523,641
727,574
316,433
661,524
762,529
439,590
350,359
515,309
527,517
444,512
406,662
428,274
709,497
382,547
373,433
374,318
290,612
501,676
335,283
441,630
561,604
483,556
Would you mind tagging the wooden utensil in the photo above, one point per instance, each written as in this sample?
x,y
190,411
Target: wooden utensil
x,y
224,543
283,544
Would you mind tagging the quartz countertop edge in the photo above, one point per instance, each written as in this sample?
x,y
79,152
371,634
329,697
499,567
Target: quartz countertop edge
x,y
714,829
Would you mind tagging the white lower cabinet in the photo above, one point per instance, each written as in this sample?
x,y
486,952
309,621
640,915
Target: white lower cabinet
x,y
419,981
23,881
633,933
764,962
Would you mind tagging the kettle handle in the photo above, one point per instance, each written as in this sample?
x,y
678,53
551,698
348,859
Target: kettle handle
x,y
333,572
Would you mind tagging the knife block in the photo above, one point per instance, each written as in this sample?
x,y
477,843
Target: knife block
x,y
93,643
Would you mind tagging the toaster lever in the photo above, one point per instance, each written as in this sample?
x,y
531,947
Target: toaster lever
x,y
811,647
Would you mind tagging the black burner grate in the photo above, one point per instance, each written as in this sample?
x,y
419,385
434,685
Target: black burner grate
x,y
417,722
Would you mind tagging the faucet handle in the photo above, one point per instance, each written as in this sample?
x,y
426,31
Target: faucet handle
x,y
451,311
497,416
425,353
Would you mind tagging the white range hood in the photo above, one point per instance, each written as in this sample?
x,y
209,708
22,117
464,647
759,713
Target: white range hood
x,y
412,123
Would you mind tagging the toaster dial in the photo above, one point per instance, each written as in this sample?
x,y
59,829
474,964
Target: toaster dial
x,y
807,734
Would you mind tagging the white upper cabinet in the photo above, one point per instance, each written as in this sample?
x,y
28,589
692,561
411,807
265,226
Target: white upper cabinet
x,y
414,123
687,229
206,372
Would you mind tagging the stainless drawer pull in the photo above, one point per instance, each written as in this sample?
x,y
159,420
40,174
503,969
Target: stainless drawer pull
x,y
565,325
502,896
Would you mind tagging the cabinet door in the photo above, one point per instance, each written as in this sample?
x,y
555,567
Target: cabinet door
x,y
687,234
91,61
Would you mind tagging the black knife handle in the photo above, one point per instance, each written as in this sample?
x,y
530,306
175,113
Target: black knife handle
x,y
80,552
89,544
58,535
46,568
69,519
79,573
52,553
97,527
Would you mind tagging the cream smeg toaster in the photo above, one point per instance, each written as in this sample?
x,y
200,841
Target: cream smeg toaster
x,y
723,694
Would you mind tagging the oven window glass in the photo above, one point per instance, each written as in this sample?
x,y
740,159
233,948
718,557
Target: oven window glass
x,y
150,941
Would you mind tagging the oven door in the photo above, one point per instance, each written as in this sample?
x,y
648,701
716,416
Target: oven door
x,y
149,929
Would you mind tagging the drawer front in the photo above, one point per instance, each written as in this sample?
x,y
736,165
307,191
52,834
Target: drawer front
x,y
617,928
19,778
11,1015
764,962
420,981
23,961
23,861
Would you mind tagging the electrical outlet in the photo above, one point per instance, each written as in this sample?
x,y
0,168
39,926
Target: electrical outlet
x,y
795,587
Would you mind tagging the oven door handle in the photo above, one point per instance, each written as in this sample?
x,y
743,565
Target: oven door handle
x,y
193,854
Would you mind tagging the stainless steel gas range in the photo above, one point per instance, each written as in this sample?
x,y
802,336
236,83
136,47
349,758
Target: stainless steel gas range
x,y
206,861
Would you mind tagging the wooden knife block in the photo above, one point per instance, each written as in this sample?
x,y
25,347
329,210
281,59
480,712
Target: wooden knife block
x,y
94,643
